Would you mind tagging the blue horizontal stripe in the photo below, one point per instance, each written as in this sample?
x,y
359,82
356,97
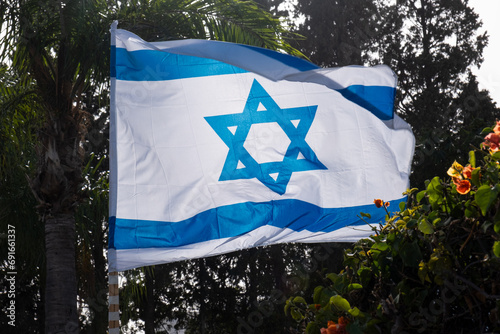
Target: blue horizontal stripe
x,y
236,220
112,63
151,65
154,65
379,100
291,61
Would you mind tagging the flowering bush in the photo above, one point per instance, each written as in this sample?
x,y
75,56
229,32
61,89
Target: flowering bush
x,y
334,328
433,267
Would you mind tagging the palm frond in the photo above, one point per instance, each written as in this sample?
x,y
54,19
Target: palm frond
x,y
224,20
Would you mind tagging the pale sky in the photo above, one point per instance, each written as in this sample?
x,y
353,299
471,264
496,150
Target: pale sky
x,y
489,73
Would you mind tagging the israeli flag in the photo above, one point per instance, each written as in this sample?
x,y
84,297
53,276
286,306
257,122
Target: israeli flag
x,y
217,147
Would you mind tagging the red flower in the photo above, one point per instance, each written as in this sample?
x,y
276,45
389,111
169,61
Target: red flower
x,y
378,202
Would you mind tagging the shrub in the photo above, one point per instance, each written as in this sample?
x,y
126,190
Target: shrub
x,y
433,267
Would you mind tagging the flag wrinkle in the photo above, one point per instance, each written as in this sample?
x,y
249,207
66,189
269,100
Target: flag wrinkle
x,y
216,147
280,72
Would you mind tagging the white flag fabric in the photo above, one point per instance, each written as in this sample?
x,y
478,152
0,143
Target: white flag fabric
x,y
216,147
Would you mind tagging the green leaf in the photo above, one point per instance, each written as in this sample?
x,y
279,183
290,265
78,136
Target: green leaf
x,y
317,294
496,227
340,303
312,328
435,185
365,215
435,192
410,254
411,223
425,227
296,315
332,277
410,191
365,275
496,155
322,295
420,195
354,286
485,196
433,215
472,158
470,210
496,248
355,312
402,206
381,246
300,300
486,131
287,306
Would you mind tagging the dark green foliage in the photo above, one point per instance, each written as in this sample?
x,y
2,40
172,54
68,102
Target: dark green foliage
x,y
18,217
236,21
337,33
59,52
431,45
278,8
433,267
240,292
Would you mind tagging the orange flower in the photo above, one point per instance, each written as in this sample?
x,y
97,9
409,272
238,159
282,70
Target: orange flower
x,y
493,138
378,202
463,186
334,328
492,141
386,204
467,172
317,307
496,129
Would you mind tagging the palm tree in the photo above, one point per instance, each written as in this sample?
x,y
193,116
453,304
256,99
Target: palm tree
x,y
18,122
63,47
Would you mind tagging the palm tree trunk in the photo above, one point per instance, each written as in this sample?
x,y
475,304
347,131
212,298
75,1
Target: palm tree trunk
x,y
100,320
60,291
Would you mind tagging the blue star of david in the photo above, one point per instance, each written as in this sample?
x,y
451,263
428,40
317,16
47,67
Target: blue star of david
x,y
299,156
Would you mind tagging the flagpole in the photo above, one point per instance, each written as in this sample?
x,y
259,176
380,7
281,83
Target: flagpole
x,y
114,305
